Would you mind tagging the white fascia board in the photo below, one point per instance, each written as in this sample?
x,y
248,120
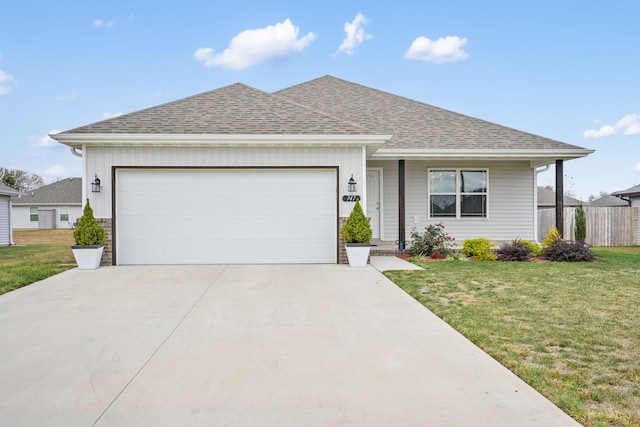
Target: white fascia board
x,y
11,192
78,139
536,156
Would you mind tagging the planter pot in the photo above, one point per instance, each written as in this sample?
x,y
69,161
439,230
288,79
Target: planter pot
x,y
358,254
87,257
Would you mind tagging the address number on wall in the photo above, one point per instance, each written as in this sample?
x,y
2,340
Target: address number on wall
x,y
350,198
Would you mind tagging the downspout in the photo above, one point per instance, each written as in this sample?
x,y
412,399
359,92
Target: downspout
x,y
622,198
75,153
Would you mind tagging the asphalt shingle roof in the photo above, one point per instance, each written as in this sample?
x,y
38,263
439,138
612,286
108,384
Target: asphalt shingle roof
x,y
608,201
547,197
235,109
64,192
7,190
413,124
324,106
633,191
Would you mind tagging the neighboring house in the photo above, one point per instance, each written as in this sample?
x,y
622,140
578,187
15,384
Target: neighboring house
x,y
547,199
547,210
607,201
238,175
632,197
56,205
6,221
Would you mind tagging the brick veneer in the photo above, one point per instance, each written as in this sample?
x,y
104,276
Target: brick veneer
x,y
108,245
342,253
107,259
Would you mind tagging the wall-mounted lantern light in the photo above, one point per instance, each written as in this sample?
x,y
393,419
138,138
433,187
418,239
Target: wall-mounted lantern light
x,y
352,185
95,185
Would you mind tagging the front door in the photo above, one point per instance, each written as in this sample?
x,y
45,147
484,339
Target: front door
x,y
373,200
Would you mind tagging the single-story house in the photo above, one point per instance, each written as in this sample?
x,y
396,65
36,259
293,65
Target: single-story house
x,y
57,205
6,221
632,197
608,201
238,175
547,199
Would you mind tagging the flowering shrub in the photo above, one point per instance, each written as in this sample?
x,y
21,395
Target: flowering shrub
x,y
434,242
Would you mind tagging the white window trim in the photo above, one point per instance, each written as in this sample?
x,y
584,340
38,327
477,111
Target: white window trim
x,y
37,214
60,213
458,193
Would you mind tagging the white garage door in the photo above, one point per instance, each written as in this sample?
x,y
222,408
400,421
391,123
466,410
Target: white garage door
x,y
226,216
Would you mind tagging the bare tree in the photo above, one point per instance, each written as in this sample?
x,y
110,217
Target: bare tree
x,y
599,195
19,179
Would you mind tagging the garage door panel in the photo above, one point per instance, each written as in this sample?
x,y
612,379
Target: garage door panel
x,y
226,216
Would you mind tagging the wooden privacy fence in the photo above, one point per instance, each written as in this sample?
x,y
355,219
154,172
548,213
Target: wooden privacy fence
x,y
607,226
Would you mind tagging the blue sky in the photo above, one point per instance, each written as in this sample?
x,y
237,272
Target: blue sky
x,y
567,70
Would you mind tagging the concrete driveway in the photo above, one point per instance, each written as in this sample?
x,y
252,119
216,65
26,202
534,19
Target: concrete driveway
x,y
245,345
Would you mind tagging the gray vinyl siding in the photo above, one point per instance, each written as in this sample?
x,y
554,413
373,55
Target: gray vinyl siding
x,y
390,197
510,201
5,224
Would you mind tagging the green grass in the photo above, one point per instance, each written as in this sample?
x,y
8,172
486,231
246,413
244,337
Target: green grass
x,y
23,265
571,330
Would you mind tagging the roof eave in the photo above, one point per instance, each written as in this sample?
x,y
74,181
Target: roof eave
x,y
78,140
536,157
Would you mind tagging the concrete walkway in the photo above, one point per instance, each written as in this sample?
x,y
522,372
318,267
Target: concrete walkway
x,y
245,345
389,263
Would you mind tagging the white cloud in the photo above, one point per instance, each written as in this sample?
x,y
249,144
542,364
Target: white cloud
x,y
252,47
606,130
101,23
637,168
355,34
634,129
445,49
629,125
45,141
107,115
6,83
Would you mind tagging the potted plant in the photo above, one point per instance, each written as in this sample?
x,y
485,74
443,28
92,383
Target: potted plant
x,y
356,233
90,238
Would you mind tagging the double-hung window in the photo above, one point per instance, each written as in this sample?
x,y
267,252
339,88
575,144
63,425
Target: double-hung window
x,y
64,213
33,213
458,193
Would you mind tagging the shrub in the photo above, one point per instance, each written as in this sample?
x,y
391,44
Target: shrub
x,y
552,236
479,249
516,250
569,251
88,232
581,224
357,228
434,242
536,250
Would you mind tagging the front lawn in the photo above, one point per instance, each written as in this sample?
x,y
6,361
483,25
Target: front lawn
x,y
39,254
571,330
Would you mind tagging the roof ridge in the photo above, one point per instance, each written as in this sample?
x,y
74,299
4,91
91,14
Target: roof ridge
x,y
478,120
284,98
165,104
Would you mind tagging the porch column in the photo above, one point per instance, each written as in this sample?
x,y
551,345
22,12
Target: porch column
x,y
401,226
560,197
